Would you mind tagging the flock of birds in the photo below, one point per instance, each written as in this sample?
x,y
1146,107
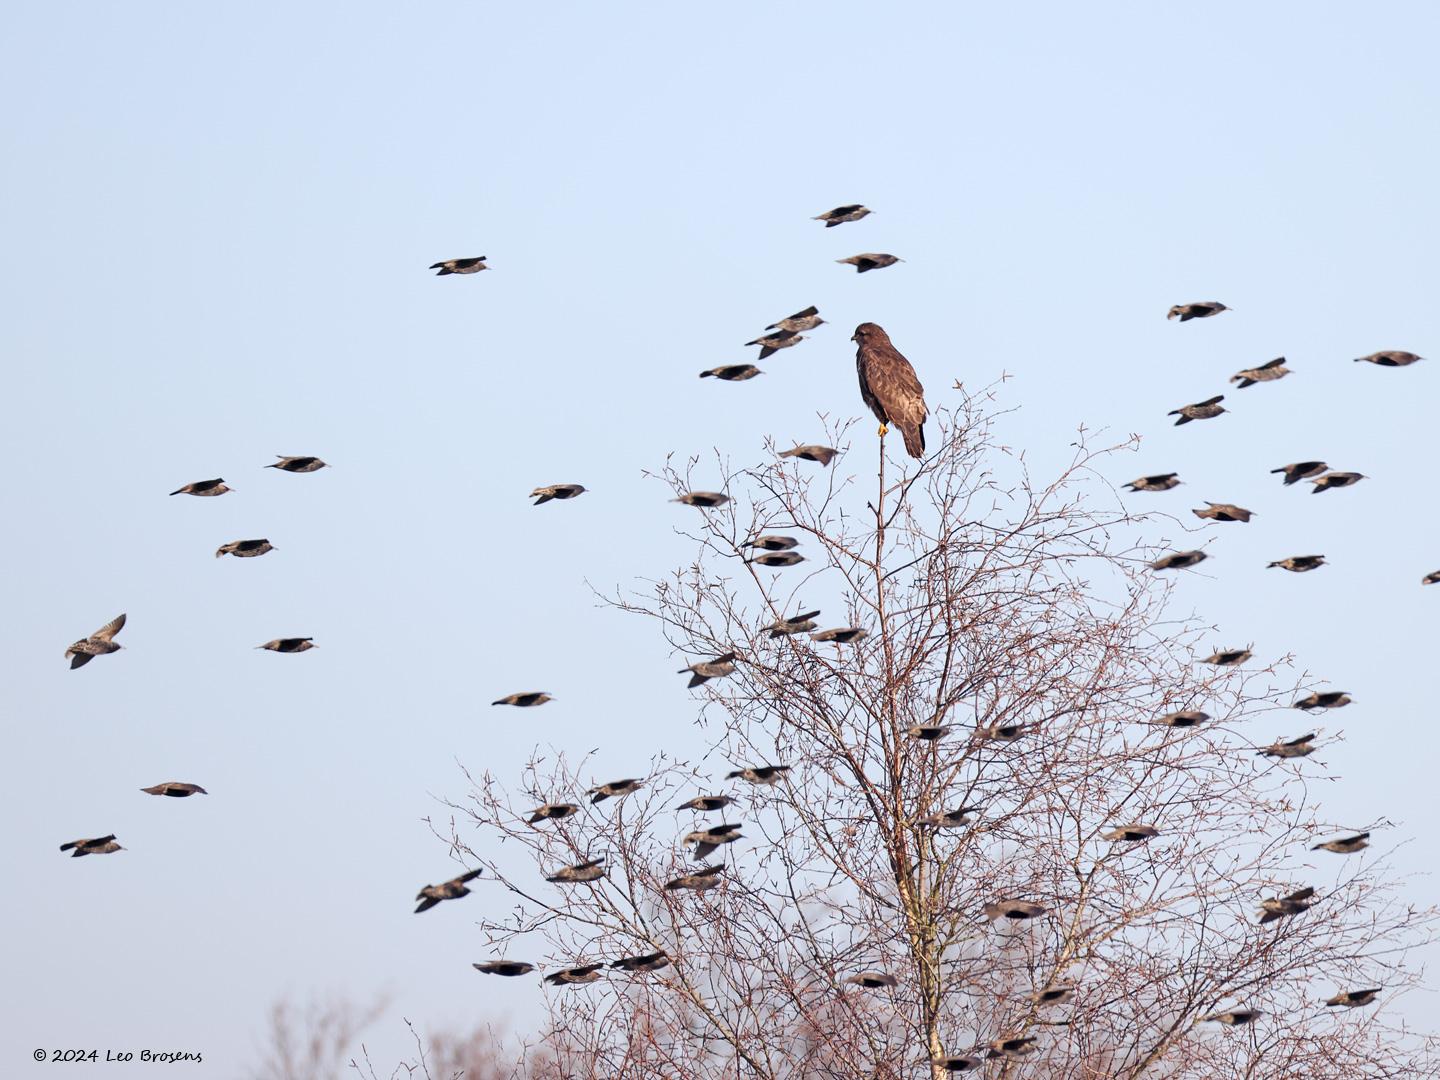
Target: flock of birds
x,y
890,388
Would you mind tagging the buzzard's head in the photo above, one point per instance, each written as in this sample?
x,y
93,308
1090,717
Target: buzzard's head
x,y
868,332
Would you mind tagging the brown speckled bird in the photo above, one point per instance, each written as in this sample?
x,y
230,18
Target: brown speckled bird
x,y
1014,1047
1300,470
795,624
453,889
811,452
302,463
842,214
203,487
289,644
556,491
715,668
1201,410
525,700
778,558
460,266
615,789
1345,845
591,870
1275,369
1390,358
1201,309
801,321
1432,578
1298,564
772,542
1223,512
1289,748
508,968
843,635
950,819
1333,480
871,260
764,775
1327,699
97,644
176,789
645,962
706,804
1281,907
710,840
552,812
732,372
244,549
773,343
890,387
1158,482
1233,1017
1179,560
705,878
100,845
1129,834
1351,999
575,976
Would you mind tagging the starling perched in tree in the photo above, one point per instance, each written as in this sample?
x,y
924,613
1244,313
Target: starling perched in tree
x,y
1188,718
175,789
732,372
289,644
1223,512
800,321
1233,1017
870,260
1390,358
1293,748
842,636
716,668
699,881
795,624
1200,310
709,840
1129,834
1201,410
1299,564
842,214
1351,999
203,487
1158,482
453,889
872,980
460,266
100,845
778,558
765,775
811,452
97,644
1336,480
1283,906
592,870
1345,845
616,789
645,962
244,549
300,464
1228,657
1275,369
555,491
706,500
1179,560
1300,470
508,968
773,343
706,804
1015,910
552,812
575,976
1329,699
526,700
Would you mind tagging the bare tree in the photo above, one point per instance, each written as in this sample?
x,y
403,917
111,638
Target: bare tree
x,y
314,1042
1023,617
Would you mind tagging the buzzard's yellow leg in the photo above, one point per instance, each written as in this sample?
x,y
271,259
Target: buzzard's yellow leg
x,y
884,430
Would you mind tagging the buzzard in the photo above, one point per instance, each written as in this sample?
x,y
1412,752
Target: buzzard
x,y
890,387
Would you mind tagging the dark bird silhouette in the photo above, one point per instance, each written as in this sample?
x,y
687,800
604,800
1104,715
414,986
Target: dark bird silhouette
x,y
1228,657
1186,718
870,260
778,558
555,491
801,321
1158,482
795,624
575,976
301,463
1129,834
1016,1047
706,500
592,870
244,549
289,644
1281,907
1015,910
1298,564
771,542
1201,410
97,644
812,452
1004,732
890,387
552,812
508,968
959,1064
460,266
770,344
706,804
872,980
1345,845
175,789
843,635
203,487
1300,470
1390,358
1292,748
1329,699
1351,999
950,819
1179,560
709,840
842,214
929,732
645,962
699,881
100,845
1223,512
1200,310
1431,578
764,775
525,700
453,889
1053,995
716,668
1335,480
732,372
615,789
1233,1017
1275,369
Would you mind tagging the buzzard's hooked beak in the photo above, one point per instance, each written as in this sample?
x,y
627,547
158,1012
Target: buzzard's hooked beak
x,y
855,336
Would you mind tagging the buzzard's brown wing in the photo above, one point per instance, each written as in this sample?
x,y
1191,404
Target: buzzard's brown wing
x,y
891,388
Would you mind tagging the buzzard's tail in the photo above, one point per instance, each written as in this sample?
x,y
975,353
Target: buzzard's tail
x,y
914,440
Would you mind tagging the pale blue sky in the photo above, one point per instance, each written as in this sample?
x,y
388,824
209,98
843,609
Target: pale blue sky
x,y
216,226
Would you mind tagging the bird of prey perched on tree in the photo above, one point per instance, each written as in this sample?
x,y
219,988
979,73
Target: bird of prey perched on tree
x,y
889,386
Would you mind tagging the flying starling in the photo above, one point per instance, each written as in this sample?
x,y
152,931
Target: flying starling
x,y
460,266
1329,699
615,789
555,491
950,819
1187,718
552,812
244,549
1223,512
1390,358
800,321
1179,560
795,624
929,732
716,668
524,700
592,870
1228,657
300,464
289,644
453,889
1015,1047
1351,999
765,775
203,487
842,636
772,543
1201,310
709,840
646,962
1275,369
1233,1017
778,558
811,452
959,1064
732,372
773,343
1291,748
1345,845
704,499
1015,910
1129,834
872,980
1299,564
1053,995
699,881
1158,482
575,976
508,968
100,845
1431,578
97,644
1201,410
1003,732
842,214
175,789
1301,470
870,260
1282,906
1336,480
706,804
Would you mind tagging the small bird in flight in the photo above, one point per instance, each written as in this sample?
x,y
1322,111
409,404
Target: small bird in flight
x,y
699,881
592,870
97,644
645,962
1228,657
706,804
1328,699
524,700
575,976
732,372
453,889
1201,410
508,968
100,845
842,214
795,624
706,500
203,487
552,812
705,670
1233,1017
764,775
1158,482
1300,470
870,260
1280,907
872,980
1351,999
1291,748
1015,910
175,789
615,789
1179,560
778,558
1223,512
844,635
289,644
1275,369
460,266
709,840
555,491
1186,718
1129,834
1298,564
1345,845
1199,310
822,454
773,343
244,549
1336,480
949,819
800,321
1390,358
301,464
